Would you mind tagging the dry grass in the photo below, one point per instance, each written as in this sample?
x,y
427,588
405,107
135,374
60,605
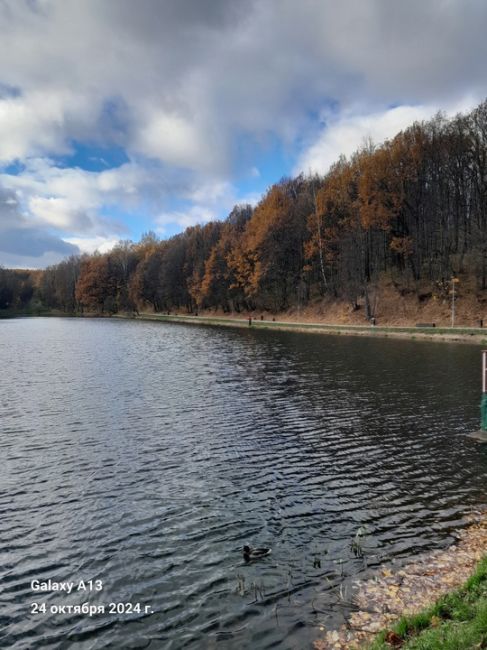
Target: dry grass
x,y
394,307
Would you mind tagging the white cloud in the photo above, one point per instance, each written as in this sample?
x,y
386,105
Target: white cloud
x,y
58,212
172,139
20,261
71,200
215,192
184,218
209,201
51,212
26,128
92,244
22,243
185,78
347,132
39,121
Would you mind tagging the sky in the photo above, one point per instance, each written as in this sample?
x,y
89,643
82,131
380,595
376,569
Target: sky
x,y
122,116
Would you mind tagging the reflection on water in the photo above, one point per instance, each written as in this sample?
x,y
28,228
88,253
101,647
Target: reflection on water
x,y
146,455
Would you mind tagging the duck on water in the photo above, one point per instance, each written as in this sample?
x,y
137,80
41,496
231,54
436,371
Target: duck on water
x,y
250,553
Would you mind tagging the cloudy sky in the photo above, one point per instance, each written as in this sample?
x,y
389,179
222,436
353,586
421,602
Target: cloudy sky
x,y
121,116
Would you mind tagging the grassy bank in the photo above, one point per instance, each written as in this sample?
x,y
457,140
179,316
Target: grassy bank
x,y
468,335
438,600
457,621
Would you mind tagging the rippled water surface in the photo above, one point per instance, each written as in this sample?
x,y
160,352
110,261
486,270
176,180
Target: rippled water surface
x,y
146,454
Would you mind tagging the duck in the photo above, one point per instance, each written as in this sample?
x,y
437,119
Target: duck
x,y
250,553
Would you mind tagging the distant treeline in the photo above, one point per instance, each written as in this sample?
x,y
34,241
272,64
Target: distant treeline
x,y
412,211
17,288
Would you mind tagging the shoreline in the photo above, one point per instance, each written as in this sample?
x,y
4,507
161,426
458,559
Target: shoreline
x,y
471,335
412,592
446,335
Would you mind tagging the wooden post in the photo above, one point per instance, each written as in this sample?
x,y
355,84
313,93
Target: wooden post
x,y
453,283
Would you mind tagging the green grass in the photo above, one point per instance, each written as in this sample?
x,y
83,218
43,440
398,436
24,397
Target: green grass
x,y
457,621
28,311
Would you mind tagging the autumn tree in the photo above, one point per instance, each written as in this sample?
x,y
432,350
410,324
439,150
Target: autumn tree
x,y
268,261
96,289
219,285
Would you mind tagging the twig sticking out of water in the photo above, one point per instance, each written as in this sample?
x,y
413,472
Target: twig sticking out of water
x,y
357,544
275,612
240,585
289,585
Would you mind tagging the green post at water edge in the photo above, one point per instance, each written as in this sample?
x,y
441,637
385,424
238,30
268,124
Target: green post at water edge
x,y
483,412
483,401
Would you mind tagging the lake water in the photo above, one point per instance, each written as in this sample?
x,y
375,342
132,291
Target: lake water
x,y
145,455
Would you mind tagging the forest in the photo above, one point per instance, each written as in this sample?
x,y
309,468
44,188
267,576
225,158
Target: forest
x,y
412,210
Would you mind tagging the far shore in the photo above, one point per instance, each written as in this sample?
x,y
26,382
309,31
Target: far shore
x,y
446,334
460,334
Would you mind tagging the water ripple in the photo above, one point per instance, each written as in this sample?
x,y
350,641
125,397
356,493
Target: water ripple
x,y
145,455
